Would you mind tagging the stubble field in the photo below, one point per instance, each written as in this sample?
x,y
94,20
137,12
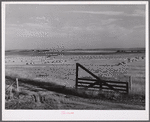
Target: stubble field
x,y
61,70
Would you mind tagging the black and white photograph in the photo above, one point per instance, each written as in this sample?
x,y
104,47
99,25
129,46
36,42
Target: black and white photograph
x,y
69,59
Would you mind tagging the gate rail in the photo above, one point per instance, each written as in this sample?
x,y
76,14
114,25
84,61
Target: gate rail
x,y
99,83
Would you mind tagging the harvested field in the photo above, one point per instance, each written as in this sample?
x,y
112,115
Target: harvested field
x,y
61,70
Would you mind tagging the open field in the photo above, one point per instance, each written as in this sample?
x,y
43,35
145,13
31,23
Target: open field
x,y
61,70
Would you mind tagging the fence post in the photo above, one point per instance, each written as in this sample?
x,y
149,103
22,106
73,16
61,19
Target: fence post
x,y
17,84
127,84
76,75
130,82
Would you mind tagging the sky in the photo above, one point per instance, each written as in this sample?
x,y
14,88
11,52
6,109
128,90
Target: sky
x,y
39,26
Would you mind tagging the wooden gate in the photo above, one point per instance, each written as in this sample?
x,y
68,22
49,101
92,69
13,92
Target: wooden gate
x,y
98,83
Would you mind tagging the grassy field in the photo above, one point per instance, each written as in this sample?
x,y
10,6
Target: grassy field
x,y
56,74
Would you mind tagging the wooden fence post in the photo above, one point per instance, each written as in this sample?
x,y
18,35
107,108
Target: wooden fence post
x,y
130,82
11,94
127,85
76,75
17,84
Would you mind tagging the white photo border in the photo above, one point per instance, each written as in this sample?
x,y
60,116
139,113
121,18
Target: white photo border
x,y
42,115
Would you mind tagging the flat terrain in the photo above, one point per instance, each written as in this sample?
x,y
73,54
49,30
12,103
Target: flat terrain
x,y
47,82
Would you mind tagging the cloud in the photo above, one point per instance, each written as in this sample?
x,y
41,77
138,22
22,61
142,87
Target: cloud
x,y
108,21
136,13
40,19
36,26
28,33
29,25
116,31
105,26
139,12
71,30
28,30
94,28
139,27
33,25
87,28
98,12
